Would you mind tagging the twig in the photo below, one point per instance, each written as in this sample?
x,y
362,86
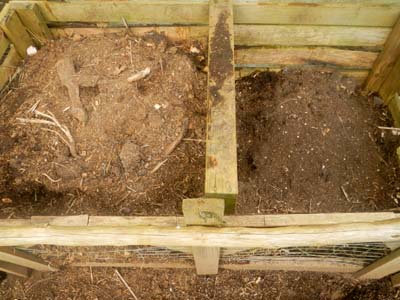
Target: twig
x,y
345,194
51,179
194,140
130,52
389,128
158,166
126,285
175,143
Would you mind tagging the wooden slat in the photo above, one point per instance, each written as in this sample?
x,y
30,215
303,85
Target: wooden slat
x,y
229,221
384,63
9,66
197,236
21,258
15,31
358,76
313,56
396,280
14,269
292,35
221,158
4,45
32,19
391,85
245,12
206,260
394,108
385,266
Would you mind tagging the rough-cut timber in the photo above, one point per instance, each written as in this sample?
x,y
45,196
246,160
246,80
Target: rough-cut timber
x,y
32,19
14,269
9,66
396,280
204,211
15,31
21,258
344,13
197,236
394,108
312,56
391,85
228,221
385,266
221,158
385,61
293,35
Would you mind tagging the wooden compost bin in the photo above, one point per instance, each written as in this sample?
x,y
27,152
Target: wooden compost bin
x,y
359,38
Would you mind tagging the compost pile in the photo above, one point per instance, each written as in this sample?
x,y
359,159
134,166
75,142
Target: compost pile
x,y
310,143
109,124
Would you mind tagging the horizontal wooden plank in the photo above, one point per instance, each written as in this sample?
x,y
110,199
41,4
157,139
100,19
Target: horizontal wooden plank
x,y
230,221
359,76
197,236
278,57
293,35
385,266
9,66
245,12
21,258
14,269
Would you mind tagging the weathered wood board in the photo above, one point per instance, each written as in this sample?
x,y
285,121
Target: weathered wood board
x,y
221,155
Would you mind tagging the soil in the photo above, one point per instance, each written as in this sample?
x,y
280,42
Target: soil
x,y
127,162
309,143
104,284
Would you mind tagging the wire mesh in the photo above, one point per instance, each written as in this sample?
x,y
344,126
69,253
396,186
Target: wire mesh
x,y
355,254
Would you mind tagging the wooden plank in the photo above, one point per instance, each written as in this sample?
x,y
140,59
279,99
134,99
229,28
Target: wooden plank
x,y
206,260
229,221
221,158
396,280
322,14
385,266
4,45
9,66
21,258
33,20
293,35
245,12
313,56
391,85
203,211
202,236
386,60
175,33
14,269
359,76
394,108
15,31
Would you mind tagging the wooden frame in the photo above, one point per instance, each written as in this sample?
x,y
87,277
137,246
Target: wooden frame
x,y
347,36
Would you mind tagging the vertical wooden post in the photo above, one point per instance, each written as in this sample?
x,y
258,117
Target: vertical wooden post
x,y
32,19
209,212
15,31
385,61
396,280
221,157
385,266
